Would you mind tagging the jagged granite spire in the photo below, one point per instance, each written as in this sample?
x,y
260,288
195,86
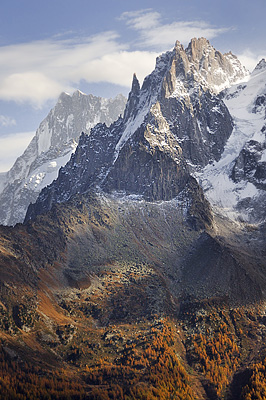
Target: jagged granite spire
x,y
135,85
133,98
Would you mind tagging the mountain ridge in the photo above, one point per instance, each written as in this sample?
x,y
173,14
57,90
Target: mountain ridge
x,y
148,117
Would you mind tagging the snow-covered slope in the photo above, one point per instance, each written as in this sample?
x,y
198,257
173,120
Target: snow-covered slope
x,y
237,182
51,148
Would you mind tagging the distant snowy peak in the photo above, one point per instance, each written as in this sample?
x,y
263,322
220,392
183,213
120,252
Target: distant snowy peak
x,y
51,148
58,133
75,114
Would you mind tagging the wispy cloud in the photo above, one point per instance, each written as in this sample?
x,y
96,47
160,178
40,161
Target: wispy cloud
x,y
39,71
7,121
11,147
141,19
158,35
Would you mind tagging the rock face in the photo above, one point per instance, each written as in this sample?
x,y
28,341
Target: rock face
x,y
250,165
54,142
174,119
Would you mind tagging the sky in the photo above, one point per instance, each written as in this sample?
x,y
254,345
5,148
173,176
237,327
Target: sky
x,y
47,47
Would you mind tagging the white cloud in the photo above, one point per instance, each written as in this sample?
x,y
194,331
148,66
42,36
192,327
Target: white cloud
x,y
11,147
119,67
7,121
161,36
249,59
30,86
39,71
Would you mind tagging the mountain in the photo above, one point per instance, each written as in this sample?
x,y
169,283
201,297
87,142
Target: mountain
x,y
174,120
126,281
51,147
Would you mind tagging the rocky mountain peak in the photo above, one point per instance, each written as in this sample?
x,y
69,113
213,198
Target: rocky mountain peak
x,y
211,68
200,65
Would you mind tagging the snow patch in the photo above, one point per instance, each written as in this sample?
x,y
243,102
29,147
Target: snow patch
x,y
180,90
46,173
131,127
44,136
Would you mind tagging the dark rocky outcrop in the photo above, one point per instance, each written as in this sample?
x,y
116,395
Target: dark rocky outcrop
x,y
248,165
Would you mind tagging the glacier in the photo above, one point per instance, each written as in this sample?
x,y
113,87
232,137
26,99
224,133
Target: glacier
x,y
220,189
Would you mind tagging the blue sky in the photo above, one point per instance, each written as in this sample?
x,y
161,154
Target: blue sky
x,y
96,46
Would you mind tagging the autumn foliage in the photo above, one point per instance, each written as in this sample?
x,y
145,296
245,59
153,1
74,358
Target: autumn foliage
x,y
149,372
217,357
256,387
21,381
159,358
147,368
